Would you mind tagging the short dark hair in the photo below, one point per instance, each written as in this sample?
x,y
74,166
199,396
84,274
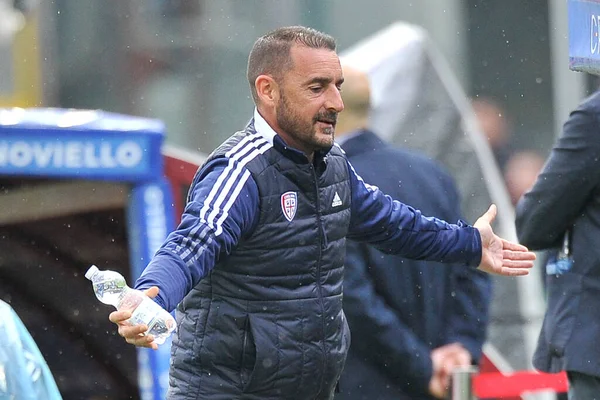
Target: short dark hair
x,y
270,54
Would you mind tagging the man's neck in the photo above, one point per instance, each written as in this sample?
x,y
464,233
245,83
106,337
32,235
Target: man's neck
x,y
269,129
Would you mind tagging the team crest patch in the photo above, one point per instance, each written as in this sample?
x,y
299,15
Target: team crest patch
x,y
289,205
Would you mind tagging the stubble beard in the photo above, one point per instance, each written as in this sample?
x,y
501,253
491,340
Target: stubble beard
x,y
303,132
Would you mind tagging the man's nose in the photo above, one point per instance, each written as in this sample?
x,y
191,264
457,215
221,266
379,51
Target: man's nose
x,y
335,102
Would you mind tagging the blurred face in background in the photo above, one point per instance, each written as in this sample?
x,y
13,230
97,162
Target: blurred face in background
x,y
492,121
521,172
309,99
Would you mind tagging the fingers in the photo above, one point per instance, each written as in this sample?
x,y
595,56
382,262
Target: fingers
x,y
151,292
452,348
446,357
522,264
462,358
119,317
517,259
508,271
518,255
132,331
133,334
136,335
437,388
507,245
455,356
142,341
490,214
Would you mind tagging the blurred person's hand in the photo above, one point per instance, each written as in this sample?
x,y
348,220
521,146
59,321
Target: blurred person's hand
x,y
444,360
134,334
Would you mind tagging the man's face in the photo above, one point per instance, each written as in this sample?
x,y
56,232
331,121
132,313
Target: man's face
x,y
309,99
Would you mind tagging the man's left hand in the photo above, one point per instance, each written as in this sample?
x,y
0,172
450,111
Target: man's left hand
x,y
499,256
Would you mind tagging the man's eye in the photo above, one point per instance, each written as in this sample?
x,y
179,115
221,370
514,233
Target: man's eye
x,y
315,89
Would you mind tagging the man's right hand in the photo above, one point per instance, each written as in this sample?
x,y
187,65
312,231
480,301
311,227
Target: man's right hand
x,y
444,359
134,334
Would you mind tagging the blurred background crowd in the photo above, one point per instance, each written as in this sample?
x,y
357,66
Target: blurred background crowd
x,y
183,61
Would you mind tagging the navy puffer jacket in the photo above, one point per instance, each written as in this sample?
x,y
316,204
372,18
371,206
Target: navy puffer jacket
x,y
260,328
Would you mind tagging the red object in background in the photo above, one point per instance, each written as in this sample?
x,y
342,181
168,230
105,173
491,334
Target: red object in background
x,y
487,366
491,383
180,168
498,385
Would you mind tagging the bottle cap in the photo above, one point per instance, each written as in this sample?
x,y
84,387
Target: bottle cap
x,y
91,272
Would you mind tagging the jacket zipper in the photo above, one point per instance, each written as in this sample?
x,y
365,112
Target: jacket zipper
x,y
320,289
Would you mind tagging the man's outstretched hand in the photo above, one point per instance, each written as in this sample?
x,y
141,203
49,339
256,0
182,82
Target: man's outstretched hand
x,y
499,256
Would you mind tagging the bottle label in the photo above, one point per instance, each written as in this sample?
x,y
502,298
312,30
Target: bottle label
x,y
145,314
108,286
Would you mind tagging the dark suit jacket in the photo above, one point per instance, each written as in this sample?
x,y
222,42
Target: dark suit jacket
x,y
398,309
566,196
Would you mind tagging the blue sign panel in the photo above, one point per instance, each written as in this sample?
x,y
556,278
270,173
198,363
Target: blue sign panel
x,y
79,144
150,219
87,144
584,36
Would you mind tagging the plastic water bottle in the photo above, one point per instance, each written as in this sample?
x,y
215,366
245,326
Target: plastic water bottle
x,y
110,288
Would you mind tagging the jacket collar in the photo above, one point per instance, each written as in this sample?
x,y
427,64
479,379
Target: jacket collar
x,y
361,142
263,128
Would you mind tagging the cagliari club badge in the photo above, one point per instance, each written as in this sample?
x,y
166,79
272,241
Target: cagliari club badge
x,y
289,205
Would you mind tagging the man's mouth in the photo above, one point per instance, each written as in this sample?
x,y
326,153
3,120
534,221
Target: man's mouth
x,y
327,118
323,121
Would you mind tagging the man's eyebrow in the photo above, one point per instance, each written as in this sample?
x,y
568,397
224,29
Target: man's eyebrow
x,y
324,81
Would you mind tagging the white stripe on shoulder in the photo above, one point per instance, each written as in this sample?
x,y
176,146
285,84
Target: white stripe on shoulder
x,y
242,143
222,193
234,195
234,154
226,192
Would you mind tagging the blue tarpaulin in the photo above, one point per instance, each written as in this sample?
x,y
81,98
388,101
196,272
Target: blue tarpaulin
x,y
24,373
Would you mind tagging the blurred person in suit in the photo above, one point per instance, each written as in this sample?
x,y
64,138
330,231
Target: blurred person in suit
x,y
561,213
411,321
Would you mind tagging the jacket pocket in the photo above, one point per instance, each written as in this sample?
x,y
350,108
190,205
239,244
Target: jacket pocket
x,y
260,356
248,356
337,353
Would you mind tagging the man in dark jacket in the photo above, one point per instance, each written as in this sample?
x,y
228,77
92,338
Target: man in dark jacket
x,y
411,321
562,212
255,267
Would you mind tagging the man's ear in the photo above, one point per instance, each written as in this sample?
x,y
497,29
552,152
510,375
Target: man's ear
x,y
267,89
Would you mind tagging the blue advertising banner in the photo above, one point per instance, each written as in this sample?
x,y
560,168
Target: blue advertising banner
x,y
584,37
150,219
86,144
79,144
